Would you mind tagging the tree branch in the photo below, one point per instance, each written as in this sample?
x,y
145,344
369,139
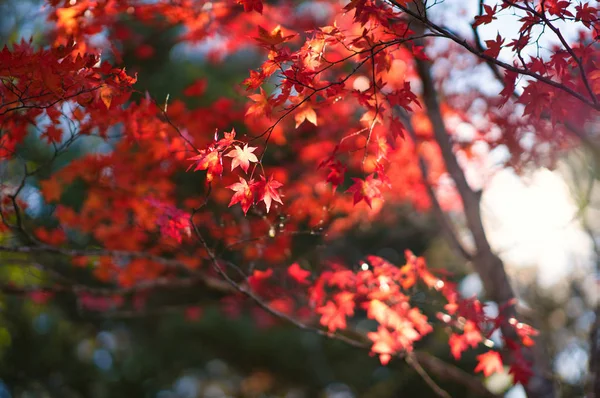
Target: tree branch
x,y
447,226
463,43
487,264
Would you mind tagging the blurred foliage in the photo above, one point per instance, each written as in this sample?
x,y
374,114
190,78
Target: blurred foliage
x,y
58,349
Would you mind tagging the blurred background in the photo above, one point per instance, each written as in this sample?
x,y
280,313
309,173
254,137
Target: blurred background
x,y
543,223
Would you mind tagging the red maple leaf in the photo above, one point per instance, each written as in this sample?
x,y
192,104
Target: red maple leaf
x,y
403,97
472,334
365,190
586,14
298,274
53,134
209,160
524,331
227,140
255,80
336,173
196,89
256,281
268,191
334,315
494,46
244,194
520,371
486,18
489,363
252,5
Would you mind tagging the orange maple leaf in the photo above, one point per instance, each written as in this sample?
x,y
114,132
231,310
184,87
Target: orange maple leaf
x,y
489,363
334,315
305,112
457,345
106,95
273,37
261,104
384,344
51,189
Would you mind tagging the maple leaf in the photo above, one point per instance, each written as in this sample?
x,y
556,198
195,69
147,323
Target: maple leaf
x,y
336,174
510,78
244,194
586,14
333,314
494,46
261,104
397,129
255,80
227,140
272,38
520,371
54,237
489,363
457,345
406,334
365,190
298,274
419,321
242,157
384,344
331,317
209,160
472,334
196,89
268,191
51,189
257,280
559,8
53,134
487,18
524,331
252,5
305,112
106,95
403,97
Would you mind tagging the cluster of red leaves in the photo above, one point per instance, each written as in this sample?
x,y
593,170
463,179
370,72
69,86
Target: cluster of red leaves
x,y
173,223
247,192
356,129
382,290
37,82
474,326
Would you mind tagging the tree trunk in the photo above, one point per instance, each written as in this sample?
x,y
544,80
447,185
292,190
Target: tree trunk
x,y
487,264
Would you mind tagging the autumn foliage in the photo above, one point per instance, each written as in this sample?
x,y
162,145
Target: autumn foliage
x,y
342,120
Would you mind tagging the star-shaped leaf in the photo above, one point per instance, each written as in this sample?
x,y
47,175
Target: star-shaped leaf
x,y
242,157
